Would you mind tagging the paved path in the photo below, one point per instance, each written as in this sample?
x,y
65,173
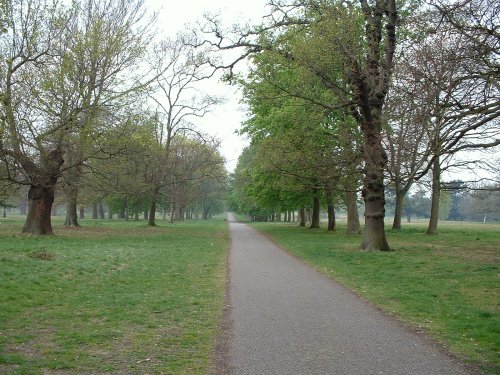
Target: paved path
x,y
289,319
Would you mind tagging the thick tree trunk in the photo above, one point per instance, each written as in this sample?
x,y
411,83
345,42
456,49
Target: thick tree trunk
x,y
71,212
95,214
436,190
40,201
316,210
373,186
331,211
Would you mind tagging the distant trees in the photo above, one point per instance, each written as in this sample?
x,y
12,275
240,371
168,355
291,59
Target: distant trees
x,y
178,99
416,104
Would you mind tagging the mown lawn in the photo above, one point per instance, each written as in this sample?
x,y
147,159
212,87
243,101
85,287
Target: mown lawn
x,y
447,285
111,297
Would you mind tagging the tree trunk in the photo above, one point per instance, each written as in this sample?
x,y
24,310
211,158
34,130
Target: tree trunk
x,y
398,210
100,208
373,185
146,215
82,212
95,214
353,225
316,210
436,190
172,212
152,209
40,201
71,212
331,211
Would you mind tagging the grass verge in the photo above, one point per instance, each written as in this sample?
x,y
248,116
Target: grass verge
x,y
447,285
111,297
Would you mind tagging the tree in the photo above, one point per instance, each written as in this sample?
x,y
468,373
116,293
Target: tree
x,y
462,100
102,45
178,98
30,144
60,67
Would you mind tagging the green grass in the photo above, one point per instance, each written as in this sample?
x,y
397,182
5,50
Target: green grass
x,y
111,297
447,285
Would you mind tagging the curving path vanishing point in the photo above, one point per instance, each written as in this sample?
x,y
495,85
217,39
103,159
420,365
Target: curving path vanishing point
x,y
287,319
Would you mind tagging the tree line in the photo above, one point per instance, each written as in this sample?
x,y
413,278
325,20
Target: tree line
x,y
349,97
94,106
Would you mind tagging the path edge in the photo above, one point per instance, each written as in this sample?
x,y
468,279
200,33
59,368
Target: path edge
x,y
220,357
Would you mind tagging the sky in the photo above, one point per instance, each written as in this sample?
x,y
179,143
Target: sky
x,y
173,16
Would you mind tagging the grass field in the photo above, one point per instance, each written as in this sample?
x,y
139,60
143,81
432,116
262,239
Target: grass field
x,y
447,285
111,297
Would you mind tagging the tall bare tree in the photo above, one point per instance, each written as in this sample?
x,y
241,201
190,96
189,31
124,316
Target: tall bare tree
x,y
179,99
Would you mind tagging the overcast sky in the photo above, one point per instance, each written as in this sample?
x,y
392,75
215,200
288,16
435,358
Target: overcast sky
x,y
226,119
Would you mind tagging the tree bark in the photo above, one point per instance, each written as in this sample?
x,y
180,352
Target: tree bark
x,y
172,212
101,210
331,211
373,187
302,217
40,199
436,190
152,209
95,214
398,210
82,212
316,210
71,212
370,78
353,224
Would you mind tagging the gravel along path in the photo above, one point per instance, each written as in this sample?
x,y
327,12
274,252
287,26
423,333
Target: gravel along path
x,y
287,319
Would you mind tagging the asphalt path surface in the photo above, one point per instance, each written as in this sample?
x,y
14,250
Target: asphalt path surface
x,y
287,318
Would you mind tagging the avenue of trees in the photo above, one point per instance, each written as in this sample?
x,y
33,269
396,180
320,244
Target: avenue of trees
x,y
94,110
349,97
349,101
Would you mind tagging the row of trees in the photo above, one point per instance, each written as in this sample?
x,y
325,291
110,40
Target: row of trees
x,y
87,101
360,95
